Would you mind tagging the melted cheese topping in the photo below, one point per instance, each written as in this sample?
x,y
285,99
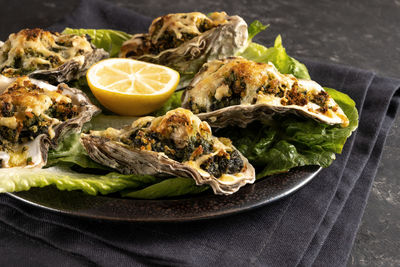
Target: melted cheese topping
x,y
33,49
9,122
21,101
27,97
180,23
18,157
179,125
21,155
259,83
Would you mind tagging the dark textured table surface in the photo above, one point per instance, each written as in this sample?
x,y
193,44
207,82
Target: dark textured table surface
x,y
364,34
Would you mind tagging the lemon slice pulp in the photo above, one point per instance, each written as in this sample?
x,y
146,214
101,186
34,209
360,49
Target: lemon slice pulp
x,y
131,87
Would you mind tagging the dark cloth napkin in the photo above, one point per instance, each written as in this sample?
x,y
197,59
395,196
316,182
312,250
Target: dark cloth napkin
x,y
314,226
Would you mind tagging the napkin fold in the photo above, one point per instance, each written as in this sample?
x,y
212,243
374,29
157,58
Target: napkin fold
x,y
316,225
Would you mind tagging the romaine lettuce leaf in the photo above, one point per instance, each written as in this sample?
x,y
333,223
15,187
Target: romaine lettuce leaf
x,y
171,187
102,122
294,141
69,152
82,84
255,28
20,179
173,102
278,56
109,40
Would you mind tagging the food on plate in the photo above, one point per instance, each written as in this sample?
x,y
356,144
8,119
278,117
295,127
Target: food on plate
x,y
177,144
49,56
237,91
166,155
35,116
185,41
131,87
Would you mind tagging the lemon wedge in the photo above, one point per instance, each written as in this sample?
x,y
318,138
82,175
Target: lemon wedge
x,y
131,87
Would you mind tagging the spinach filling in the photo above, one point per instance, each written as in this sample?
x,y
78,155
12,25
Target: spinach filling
x,y
321,99
273,87
62,111
237,89
33,125
7,134
228,162
169,40
155,142
7,109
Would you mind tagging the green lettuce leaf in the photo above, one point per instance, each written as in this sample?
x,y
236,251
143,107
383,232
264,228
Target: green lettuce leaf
x,y
71,152
82,84
171,187
102,122
109,40
291,141
255,28
21,179
173,102
278,56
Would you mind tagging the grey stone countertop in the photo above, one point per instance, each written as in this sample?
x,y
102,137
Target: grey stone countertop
x,y
364,34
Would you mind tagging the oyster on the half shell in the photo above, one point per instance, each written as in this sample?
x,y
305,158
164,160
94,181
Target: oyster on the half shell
x,y
34,116
237,91
49,56
185,41
177,144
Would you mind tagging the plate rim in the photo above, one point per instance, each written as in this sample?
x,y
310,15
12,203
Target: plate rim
x,y
245,194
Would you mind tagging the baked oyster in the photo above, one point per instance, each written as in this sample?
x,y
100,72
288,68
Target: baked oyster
x,y
178,144
237,91
185,41
34,116
49,56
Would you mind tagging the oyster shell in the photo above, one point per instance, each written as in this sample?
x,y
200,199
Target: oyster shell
x,y
34,116
178,144
185,41
237,91
49,56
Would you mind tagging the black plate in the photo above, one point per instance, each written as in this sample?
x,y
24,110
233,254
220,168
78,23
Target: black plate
x,y
77,203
